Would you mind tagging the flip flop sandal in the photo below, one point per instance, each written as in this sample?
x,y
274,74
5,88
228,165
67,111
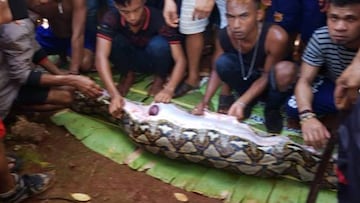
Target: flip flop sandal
x,y
183,89
225,102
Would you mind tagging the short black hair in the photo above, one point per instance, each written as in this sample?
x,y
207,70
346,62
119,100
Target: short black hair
x,y
256,2
124,2
343,2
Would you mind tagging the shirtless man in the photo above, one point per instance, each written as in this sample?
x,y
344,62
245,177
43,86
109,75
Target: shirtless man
x,y
66,34
251,64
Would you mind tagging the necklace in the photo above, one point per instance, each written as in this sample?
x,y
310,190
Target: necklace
x,y
252,64
60,6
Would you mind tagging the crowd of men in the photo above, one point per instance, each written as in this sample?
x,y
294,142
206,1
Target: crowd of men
x,y
252,61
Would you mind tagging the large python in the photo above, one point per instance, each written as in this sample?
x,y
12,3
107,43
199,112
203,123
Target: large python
x,y
213,139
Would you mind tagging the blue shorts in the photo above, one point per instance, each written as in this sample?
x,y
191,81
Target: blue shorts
x,y
55,45
323,101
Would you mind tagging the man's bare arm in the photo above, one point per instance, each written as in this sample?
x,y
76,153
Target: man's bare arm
x,y
303,89
12,10
5,12
170,13
77,37
103,66
176,76
313,131
348,84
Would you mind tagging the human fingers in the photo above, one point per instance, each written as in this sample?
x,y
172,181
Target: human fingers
x,y
198,110
236,111
198,15
340,96
171,19
116,107
352,94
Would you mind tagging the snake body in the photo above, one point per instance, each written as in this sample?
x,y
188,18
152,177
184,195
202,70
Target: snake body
x,y
214,139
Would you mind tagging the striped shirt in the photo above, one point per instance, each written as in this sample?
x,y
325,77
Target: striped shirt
x,y
322,52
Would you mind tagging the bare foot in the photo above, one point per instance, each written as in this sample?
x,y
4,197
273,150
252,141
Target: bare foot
x,y
157,86
125,83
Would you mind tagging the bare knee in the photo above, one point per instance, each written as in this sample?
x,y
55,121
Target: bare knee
x,y
60,97
285,74
87,62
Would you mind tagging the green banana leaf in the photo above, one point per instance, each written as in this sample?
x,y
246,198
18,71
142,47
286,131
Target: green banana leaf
x,y
112,142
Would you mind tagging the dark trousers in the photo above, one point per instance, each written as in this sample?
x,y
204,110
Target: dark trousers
x,y
229,70
154,58
349,157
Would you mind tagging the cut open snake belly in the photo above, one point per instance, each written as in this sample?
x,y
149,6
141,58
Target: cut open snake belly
x,y
213,139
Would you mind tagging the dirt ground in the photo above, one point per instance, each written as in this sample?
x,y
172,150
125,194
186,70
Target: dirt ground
x,y
80,170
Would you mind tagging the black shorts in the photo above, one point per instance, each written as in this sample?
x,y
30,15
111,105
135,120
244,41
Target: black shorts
x,y
30,95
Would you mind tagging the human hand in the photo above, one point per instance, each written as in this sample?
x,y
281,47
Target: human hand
x,y
203,9
200,108
314,133
164,96
170,13
237,109
116,106
347,87
86,85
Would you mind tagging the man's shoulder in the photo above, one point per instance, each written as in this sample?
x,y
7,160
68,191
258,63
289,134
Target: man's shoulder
x,y
274,34
322,31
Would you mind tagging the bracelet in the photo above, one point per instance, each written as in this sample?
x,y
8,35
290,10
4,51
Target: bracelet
x,y
241,103
306,111
306,116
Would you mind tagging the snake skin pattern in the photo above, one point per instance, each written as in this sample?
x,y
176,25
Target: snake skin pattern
x,y
214,139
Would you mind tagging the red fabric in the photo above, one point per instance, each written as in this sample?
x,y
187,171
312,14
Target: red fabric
x,y
2,129
341,177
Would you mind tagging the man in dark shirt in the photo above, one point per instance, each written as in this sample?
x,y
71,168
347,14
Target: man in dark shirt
x,y
136,39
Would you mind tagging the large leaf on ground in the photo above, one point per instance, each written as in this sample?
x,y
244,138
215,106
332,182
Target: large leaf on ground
x,y
112,142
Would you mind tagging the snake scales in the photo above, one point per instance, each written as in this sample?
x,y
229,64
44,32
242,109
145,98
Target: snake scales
x,y
213,139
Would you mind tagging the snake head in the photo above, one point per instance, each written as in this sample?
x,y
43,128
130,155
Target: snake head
x,y
154,110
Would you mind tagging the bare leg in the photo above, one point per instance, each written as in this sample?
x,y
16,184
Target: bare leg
x,y
58,98
125,83
87,63
194,46
43,107
6,179
157,86
213,83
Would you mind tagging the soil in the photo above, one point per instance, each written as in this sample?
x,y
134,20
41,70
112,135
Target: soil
x,y
79,170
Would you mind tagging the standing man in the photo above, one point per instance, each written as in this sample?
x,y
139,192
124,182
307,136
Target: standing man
x,y
192,21
136,39
251,64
